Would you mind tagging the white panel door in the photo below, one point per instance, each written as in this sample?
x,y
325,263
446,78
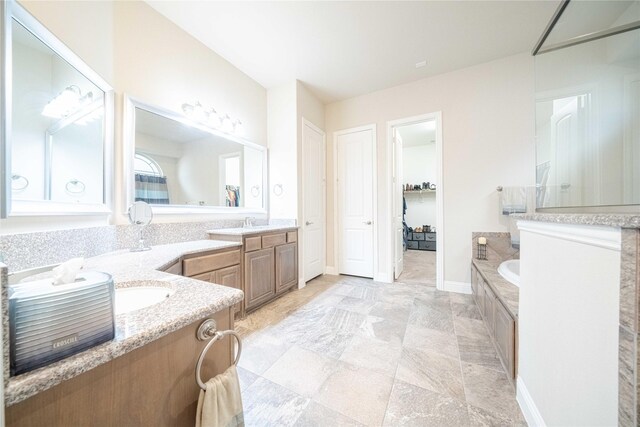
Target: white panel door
x,y
398,205
313,221
355,202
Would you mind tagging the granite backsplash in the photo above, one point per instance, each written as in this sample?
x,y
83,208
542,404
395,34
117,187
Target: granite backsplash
x,y
28,250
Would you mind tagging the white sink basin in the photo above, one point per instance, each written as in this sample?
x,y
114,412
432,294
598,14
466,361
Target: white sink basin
x,y
510,270
135,298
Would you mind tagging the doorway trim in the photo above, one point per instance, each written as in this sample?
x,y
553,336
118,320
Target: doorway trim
x,y
389,230
301,273
337,191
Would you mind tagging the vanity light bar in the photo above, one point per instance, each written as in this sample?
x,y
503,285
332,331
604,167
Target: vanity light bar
x,y
210,117
67,102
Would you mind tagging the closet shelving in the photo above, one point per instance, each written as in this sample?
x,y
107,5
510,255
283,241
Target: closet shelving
x,y
419,191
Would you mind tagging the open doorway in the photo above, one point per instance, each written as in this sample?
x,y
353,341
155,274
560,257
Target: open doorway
x,y
417,200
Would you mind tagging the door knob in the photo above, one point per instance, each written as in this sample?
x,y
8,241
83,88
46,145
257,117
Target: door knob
x,y
367,222
308,223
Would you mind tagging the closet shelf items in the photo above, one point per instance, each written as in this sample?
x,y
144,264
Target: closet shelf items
x,y
418,191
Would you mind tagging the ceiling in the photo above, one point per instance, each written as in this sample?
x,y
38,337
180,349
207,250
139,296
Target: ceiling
x,y
342,49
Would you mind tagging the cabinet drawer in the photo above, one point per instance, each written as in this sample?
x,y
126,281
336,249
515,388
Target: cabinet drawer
x,y
292,236
274,240
252,243
194,266
430,246
430,236
206,277
412,244
175,269
418,236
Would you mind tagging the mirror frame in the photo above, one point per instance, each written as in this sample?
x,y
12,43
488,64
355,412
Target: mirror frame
x,y
13,11
129,149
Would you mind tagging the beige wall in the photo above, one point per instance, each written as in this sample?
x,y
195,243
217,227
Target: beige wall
x,y
281,104
142,54
488,140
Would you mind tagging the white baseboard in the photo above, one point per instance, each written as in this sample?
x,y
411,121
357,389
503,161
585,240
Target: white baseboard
x,y
331,270
528,406
459,287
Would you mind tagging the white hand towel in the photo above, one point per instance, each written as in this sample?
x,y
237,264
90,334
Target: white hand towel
x,y
67,271
221,404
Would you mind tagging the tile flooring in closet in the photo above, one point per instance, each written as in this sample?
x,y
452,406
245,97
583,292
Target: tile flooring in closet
x,y
351,351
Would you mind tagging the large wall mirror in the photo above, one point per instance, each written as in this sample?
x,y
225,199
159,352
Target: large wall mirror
x,y
57,139
587,80
178,165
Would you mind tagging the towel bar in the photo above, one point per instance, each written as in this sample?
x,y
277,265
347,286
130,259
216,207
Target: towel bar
x,y
208,330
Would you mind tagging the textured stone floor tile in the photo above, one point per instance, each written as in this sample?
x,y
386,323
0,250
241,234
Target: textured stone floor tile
x,y
433,300
269,404
420,338
342,289
246,377
489,390
317,415
480,352
343,320
383,329
325,300
357,393
478,417
365,293
432,318
379,356
356,305
432,371
326,341
410,405
462,298
398,313
465,310
260,351
471,328
300,370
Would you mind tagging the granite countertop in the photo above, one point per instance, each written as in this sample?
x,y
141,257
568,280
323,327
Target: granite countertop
x,y
241,231
192,300
505,291
605,220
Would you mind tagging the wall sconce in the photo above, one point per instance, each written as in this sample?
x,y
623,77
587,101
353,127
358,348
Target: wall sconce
x,y
67,102
210,117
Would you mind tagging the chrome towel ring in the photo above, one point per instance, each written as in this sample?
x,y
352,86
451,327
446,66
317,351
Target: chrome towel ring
x,y
207,330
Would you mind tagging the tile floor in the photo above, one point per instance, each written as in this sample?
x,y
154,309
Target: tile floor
x,y
419,267
348,351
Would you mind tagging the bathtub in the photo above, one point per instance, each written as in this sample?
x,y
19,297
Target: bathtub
x,y
510,270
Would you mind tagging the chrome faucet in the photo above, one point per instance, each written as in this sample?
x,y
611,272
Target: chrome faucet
x,y
248,221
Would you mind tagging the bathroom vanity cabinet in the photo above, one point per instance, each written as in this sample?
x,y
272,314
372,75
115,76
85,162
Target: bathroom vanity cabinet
x,y
222,267
269,264
153,385
500,322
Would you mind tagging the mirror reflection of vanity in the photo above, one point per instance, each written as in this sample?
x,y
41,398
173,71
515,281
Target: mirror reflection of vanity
x,y
58,141
177,164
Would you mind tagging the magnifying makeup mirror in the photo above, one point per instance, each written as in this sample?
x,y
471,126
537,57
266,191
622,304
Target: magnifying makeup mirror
x,y
140,214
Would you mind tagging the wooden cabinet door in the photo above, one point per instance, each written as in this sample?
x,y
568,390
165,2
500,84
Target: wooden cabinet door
x,y
480,296
489,308
504,336
474,283
286,266
229,276
259,274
